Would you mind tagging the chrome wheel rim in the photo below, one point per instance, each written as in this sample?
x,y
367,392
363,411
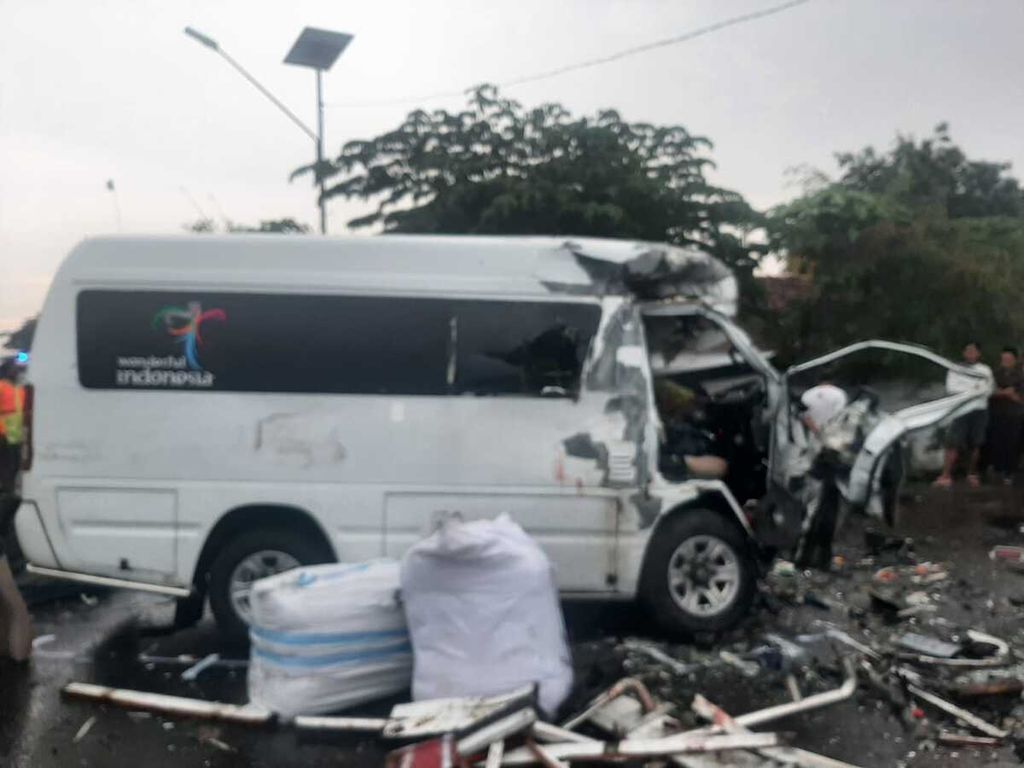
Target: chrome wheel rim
x,y
704,576
256,566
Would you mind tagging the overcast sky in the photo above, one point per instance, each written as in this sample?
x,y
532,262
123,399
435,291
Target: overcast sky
x,y
112,89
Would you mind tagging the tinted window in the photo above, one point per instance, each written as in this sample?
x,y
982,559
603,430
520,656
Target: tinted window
x,y
262,342
522,348
332,344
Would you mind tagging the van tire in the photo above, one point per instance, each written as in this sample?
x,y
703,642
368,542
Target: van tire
x,y
716,546
299,545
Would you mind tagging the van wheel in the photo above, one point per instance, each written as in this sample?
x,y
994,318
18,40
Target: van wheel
x,y
698,575
251,556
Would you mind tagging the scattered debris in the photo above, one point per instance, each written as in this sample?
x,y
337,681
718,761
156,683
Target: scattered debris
x,y
420,719
658,655
617,690
211,736
962,714
786,755
436,753
951,738
1011,557
86,727
748,668
187,660
987,650
928,646
345,724
168,705
193,672
42,640
683,743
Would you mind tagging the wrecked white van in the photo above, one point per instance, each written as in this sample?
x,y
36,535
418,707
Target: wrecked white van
x,y
210,410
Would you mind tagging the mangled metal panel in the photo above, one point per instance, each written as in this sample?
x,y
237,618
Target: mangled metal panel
x,y
618,441
645,271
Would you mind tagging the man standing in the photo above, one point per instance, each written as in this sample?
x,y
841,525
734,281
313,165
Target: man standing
x,y
15,622
967,433
821,403
1005,411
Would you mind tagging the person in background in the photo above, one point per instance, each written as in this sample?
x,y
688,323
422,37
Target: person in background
x,y
9,426
967,433
1006,410
15,621
821,403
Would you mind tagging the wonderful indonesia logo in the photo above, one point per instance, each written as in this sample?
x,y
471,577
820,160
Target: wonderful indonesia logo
x,y
184,325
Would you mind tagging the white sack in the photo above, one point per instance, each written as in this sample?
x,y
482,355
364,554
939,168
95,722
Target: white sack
x,y
327,637
484,615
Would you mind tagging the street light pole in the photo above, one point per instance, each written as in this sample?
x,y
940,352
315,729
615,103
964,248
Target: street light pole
x,y
213,45
318,49
320,148
317,136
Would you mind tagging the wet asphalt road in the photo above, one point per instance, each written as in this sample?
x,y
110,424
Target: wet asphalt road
x,y
102,643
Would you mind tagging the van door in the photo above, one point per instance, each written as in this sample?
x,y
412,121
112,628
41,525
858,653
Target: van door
x,y
516,435
909,395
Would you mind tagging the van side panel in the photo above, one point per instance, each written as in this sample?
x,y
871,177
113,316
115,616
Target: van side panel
x,y
130,478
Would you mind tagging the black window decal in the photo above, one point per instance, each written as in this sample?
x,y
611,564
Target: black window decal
x,y
255,342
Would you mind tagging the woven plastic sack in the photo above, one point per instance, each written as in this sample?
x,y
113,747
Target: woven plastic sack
x,y
327,637
483,612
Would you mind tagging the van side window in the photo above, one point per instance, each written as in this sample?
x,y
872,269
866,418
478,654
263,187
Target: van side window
x,y
255,342
522,348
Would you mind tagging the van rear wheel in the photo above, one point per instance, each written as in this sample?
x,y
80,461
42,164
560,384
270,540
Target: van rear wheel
x,y
245,559
699,574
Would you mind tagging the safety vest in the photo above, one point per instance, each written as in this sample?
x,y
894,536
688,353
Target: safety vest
x,y
12,406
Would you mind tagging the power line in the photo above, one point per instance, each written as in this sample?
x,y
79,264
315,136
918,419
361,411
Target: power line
x,y
675,40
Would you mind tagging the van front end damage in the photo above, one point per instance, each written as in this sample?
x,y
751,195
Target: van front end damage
x,y
621,444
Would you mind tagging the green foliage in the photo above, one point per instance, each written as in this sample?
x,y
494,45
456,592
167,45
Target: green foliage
x,y
21,338
499,168
919,244
278,226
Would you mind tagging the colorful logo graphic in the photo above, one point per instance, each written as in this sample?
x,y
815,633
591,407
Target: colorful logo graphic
x,y
185,324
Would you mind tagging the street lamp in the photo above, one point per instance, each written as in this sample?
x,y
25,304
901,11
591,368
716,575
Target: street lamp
x,y
318,49
315,48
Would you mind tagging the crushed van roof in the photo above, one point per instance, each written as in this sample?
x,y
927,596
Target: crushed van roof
x,y
408,263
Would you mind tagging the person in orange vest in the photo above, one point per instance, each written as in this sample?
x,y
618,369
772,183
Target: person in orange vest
x,y
10,427
15,621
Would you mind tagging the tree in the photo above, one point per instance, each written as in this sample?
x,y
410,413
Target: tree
x,y
279,226
919,243
499,168
21,338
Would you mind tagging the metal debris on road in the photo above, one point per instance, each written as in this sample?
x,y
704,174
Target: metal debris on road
x,y
194,671
422,719
928,646
168,705
341,724
1012,557
951,738
86,727
962,714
